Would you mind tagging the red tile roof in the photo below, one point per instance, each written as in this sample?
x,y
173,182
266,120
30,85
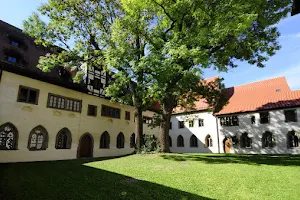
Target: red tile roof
x,y
262,95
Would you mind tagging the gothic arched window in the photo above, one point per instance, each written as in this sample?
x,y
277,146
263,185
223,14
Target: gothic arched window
x,y
193,141
63,139
268,139
293,139
104,140
8,137
245,141
120,141
38,139
132,140
208,141
180,141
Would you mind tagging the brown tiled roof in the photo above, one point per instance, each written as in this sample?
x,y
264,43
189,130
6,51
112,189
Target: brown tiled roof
x,y
262,95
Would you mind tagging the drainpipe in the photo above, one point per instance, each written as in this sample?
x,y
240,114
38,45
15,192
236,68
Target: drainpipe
x,y
218,135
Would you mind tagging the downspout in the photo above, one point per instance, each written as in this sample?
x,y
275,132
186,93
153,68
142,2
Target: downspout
x,y
218,135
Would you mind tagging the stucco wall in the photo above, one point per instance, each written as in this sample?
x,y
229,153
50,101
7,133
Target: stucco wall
x,y
200,132
277,126
27,116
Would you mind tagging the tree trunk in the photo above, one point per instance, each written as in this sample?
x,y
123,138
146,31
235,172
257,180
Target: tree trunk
x,y
139,128
165,125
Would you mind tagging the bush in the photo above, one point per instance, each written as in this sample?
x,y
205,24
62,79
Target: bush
x,y
150,144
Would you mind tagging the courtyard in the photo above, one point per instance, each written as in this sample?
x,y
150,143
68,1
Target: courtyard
x,y
155,176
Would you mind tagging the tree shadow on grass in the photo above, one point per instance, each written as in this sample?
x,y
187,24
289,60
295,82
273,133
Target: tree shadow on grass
x,y
257,159
73,180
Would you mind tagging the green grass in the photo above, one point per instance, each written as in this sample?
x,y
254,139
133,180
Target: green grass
x,y
161,176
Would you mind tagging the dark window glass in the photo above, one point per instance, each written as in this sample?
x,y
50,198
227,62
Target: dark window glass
x,y
147,120
229,121
127,115
293,139
253,120
110,112
264,117
181,124
180,141
97,84
245,141
8,137
120,141
64,103
28,95
104,140
201,122
268,139
170,141
290,116
191,123
193,141
170,126
92,110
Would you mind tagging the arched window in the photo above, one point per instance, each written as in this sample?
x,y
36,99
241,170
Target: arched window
x,y
180,141
8,137
246,142
208,141
193,141
268,139
63,139
120,141
38,139
132,140
104,140
170,141
293,139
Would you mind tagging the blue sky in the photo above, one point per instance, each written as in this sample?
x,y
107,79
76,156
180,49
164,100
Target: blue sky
x,y
286,62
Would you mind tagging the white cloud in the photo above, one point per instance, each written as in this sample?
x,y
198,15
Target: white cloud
x,y
298,35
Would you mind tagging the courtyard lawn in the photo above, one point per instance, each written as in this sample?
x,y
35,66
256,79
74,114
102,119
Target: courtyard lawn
x,y
158,176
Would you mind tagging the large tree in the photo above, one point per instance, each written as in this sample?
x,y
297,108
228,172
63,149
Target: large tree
x,y
97,33
189,35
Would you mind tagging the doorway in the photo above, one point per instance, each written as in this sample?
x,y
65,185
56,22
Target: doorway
x,y
227,145
85,147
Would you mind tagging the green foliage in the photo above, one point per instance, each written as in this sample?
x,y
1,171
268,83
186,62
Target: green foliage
x,y
150,145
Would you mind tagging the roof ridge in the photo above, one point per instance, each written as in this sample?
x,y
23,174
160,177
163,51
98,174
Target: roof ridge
x,y
280,77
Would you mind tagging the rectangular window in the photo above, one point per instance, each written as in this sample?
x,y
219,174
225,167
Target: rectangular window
x,y
201,122
28,95
108,111
92,110
97,84
229,121
191,123
252,119
11,59
147,120
170,126
264,117
64,103
290,116
127,115
181,124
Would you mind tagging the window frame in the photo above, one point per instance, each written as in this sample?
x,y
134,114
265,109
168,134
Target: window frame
x,y
193,141
111,113
295,115
28,94
69,139
45,139
191,123
260,117
200,122
15,136
180,124
104,142
120,144
178,141
127,115
232,120
95,110
65,103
